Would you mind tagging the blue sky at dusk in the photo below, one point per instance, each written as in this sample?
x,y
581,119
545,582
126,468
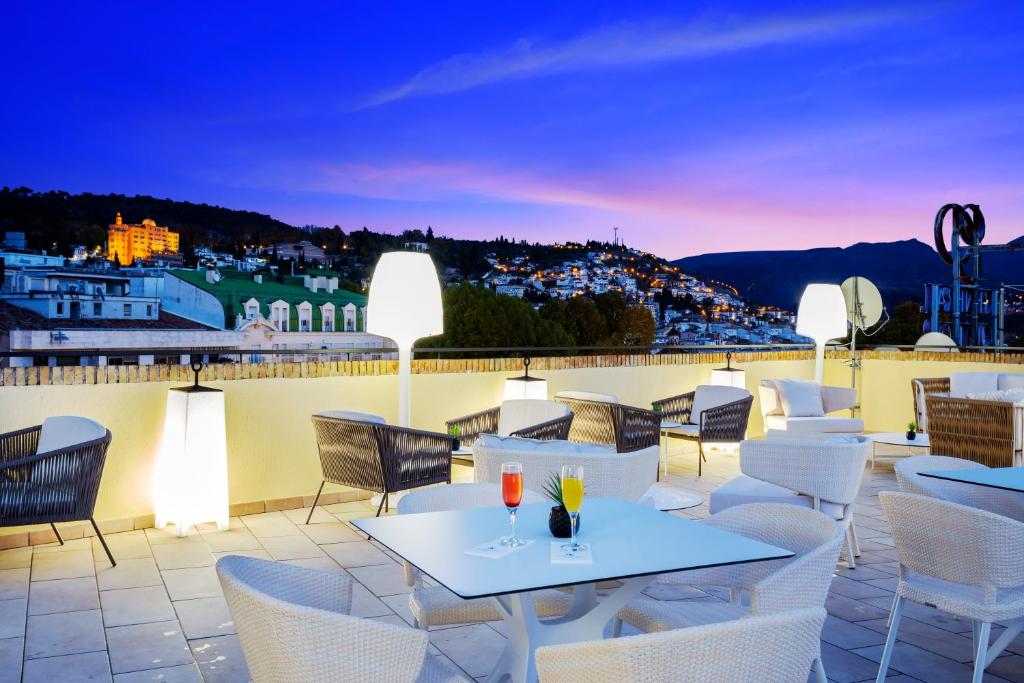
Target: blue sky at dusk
x,y
694,127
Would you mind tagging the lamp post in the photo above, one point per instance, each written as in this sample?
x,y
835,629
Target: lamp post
x,y
525,386
405,305
821,316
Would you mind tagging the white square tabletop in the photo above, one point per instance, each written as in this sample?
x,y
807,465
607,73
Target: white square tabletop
x,y
626,539
1008,478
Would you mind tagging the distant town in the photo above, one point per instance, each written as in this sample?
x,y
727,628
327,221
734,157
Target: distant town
x,y
142,292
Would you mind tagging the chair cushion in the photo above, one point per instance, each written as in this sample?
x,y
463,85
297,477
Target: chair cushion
x,y
684,430
353,415
826,424
1010,381
744,489
963,383
588,396
64,431
800,398
711,395
1005,395
515,443
519,414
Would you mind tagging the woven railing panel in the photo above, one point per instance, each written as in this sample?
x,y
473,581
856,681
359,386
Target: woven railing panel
x,y
472,426
59,486
980,431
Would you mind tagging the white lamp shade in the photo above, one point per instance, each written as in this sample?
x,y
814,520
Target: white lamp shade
x,y
731,377
525,387
405,298
822,313
191,484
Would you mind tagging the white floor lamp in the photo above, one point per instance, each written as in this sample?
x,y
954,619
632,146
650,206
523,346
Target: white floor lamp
x,y
405,305
821,316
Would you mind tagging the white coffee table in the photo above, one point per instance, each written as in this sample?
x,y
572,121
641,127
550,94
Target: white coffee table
x,y
629,542
896,439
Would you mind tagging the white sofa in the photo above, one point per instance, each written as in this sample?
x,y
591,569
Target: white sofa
x,y
605,472
964,387
833,399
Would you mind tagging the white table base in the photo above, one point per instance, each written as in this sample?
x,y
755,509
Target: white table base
x,y
585,620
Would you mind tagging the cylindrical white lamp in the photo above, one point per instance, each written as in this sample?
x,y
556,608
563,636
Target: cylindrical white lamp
x,y
729,376
525,386
191,484
405,305
821,316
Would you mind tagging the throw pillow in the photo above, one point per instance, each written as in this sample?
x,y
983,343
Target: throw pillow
x,y
800,398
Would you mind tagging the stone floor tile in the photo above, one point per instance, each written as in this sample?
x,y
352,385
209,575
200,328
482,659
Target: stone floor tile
x,y
260,554
920,663
129,573
65,565
857,590
297,547
147,646
386,579
191,583
474,648
231,540
204,617
65,633
135,606
127,546
267,524
185,673
843,666
12,618
220,659
331,533
356,554
848,635
11,655
853,610
63,595
169,535
89,667
14,583
365,603
297,516
927,637
75,544
323,564
182,555
16,558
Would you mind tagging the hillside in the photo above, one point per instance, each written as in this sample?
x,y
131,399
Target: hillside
x,y
900,270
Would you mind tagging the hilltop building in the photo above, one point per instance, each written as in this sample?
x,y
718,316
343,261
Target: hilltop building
x,y
145,241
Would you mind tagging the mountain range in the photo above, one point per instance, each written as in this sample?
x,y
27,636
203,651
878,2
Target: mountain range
x,y
899,269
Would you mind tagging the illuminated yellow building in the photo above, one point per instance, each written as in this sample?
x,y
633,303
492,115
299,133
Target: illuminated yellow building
x,y
127,242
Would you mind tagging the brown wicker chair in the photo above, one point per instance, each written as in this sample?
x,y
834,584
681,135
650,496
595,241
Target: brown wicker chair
x,y
362,452
604,422
59,484
921,387
723,423
489,422
979,431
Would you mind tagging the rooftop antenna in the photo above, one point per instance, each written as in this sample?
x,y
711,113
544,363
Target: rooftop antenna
x,y
615,241
864,309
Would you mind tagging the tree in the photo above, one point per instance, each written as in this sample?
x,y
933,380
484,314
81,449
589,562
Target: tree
x,y
579,317
627,325
905,327
430,234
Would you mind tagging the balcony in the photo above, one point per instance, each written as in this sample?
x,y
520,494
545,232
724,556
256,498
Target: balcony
x,y
65,614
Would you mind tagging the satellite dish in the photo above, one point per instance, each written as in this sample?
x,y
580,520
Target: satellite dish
x,y
935,341
863,302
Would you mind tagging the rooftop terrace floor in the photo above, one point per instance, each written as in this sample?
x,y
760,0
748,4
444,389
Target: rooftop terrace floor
x,y
66,615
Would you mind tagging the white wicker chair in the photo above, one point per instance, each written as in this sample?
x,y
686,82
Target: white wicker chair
x,y
777,585
773,648
294,625
607,473
823,474
960,560
908,476
438,606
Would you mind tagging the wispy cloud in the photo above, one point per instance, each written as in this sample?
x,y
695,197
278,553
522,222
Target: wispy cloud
x,y
627,44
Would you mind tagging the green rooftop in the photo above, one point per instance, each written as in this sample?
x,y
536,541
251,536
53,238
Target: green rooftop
x,y
236,287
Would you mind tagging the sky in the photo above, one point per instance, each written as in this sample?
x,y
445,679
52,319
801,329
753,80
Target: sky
x,y
694,127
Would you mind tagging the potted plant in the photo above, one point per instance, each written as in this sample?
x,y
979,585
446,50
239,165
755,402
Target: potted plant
x,y
455,431
559,523
911,431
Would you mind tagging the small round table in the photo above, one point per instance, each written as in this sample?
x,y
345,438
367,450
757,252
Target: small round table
x,y
896,439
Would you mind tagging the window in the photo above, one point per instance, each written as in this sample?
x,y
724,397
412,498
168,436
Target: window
x,y
127,310
149,310
60,308
97,309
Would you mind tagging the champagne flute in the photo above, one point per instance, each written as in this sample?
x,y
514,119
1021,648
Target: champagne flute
x,y
572,499
512,496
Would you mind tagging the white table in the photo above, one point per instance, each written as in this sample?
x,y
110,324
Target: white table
x,y
896,439
1006,478
667,426
629,542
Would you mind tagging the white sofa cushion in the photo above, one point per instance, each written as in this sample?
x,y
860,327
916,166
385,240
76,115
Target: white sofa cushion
x,y
963,383
710,396
527,412
353,415
67,430
1005,395
826,423
769,395
588,396
516,443
744,489
800,398
1010,381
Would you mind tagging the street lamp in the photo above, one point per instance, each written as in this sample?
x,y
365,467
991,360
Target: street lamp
x,y
821,316
405,305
